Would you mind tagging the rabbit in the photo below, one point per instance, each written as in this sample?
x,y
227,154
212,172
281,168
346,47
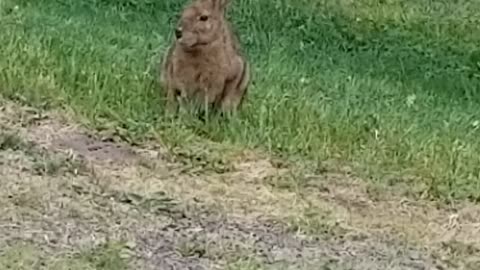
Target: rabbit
x,y
204,63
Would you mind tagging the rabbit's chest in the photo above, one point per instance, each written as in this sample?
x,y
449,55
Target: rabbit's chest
x,y
193,77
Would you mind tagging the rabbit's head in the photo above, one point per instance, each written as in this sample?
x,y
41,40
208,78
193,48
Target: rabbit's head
x,y
201,23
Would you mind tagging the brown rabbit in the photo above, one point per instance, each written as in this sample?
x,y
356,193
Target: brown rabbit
x,y
204,64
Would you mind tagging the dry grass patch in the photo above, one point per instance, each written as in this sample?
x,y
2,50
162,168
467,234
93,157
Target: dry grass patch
x,y
336,207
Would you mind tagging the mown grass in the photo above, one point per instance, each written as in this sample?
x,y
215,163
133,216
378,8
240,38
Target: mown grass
x,y
390,85
27,257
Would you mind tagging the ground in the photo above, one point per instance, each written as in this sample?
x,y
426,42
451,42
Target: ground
x,y
356,148
72,199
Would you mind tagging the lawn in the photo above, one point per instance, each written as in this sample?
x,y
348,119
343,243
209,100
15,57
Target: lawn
x,y
388,86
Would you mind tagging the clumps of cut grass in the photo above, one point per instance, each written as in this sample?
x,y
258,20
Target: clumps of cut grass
x,y
246,264
12,141
108,256
22,256
51,164
43,162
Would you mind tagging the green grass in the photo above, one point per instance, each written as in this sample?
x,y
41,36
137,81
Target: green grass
x,y
10,141
29,257
389,85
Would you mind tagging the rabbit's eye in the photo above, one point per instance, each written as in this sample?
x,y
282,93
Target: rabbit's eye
x,y
203,18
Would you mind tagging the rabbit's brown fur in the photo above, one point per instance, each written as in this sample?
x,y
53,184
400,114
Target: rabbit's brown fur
x,y
205,63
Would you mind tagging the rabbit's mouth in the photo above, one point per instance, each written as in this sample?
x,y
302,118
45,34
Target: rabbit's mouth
x,y
191,45
191,41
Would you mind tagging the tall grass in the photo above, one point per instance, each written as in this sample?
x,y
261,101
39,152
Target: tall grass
x,y
391,85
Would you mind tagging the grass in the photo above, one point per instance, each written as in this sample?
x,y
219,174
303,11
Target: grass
x,y
390,85
42,162
247,264
11,141
26,257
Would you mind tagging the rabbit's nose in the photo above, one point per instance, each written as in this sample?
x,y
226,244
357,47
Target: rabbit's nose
x,y
178,33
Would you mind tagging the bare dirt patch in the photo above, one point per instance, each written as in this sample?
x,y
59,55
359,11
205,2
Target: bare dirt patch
x,y
177,214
